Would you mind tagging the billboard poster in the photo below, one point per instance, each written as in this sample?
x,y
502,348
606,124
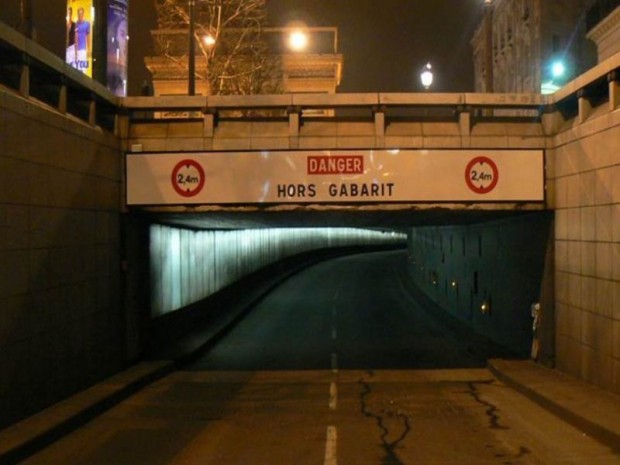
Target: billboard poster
x,y
79,41
117,43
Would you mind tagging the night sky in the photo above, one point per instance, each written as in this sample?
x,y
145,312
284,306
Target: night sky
x,y
385,43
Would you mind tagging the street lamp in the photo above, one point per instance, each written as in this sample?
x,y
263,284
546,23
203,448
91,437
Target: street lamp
x,y
426,76
208,40
558,69
298,40
555,76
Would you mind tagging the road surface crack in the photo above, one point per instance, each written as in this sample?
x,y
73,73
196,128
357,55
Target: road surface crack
x,y
491,410
383,418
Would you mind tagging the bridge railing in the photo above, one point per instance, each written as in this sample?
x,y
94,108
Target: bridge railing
x,y
36,73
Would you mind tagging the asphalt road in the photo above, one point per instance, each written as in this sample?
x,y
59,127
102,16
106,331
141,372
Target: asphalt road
x,y
352,312
340,365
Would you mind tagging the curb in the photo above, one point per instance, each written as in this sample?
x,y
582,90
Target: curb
x,y
595,430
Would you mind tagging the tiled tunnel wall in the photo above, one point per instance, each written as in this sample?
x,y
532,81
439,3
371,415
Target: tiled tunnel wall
x,y
187,265
489,274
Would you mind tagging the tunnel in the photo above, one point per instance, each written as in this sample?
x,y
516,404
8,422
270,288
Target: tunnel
x,y
485,270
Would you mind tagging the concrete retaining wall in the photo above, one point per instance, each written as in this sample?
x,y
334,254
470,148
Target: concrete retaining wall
x,y
60,326
584,167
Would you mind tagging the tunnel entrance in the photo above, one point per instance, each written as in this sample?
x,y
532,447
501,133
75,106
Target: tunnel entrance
x,y
481,271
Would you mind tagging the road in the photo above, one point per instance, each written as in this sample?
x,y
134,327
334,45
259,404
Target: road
x,y
339,365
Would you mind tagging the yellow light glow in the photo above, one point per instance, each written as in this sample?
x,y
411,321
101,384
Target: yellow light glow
x,y
298,40
208,40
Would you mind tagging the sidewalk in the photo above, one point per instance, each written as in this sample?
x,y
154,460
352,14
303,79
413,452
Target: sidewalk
x,y
32,434
592,410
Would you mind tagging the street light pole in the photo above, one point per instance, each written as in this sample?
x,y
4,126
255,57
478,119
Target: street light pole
x,y
488,45
191,82
26,18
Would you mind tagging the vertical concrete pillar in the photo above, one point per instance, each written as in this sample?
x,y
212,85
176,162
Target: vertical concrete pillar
x,y
585,106
24,78
62,96
92,111
294,123
121,126
208,124
465,121
379,117
551,120
614,90
464,114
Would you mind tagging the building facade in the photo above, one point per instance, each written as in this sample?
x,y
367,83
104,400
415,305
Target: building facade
x,y
527,38
603,24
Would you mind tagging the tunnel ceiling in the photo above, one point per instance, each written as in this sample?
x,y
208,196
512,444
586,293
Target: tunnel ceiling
x,y
309,217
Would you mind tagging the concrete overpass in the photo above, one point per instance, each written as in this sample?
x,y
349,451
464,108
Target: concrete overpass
x,y
71,295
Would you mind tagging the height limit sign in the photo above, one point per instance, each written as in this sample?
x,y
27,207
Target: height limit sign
x,y
481,175
188,178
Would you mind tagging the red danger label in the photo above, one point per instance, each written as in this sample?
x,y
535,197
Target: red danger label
x,y
338,164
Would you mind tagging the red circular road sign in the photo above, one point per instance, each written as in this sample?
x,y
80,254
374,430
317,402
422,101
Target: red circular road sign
x,y
481,175
188,178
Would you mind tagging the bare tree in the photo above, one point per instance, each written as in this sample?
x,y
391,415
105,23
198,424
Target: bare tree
x,y
232,55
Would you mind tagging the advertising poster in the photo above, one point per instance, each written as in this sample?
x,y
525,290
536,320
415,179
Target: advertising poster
x,y
79,41
117,47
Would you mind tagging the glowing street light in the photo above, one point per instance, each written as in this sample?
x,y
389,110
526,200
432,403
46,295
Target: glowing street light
x,y
298,40
555,77
208,40
558,69
426,76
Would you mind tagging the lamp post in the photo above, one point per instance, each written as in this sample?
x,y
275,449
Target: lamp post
x,y
191,82
25,26
488,45
426,76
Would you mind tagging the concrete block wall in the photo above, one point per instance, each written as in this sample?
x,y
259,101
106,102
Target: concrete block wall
x,y
488,274
584,167
60,190
187,266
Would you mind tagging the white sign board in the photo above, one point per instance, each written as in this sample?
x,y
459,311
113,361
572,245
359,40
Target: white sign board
x,y
335,176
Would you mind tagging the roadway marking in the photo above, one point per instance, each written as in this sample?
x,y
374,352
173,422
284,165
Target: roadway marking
x,y
334,333
333,396
330,446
